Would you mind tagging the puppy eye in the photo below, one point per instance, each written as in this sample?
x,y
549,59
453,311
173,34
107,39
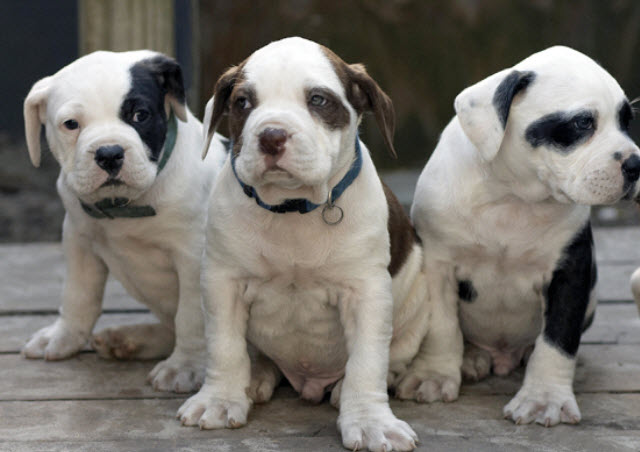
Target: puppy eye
x,y
71,124
140,116
317,100
583,123
243,103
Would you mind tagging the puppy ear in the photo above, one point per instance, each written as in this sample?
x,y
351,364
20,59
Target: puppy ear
x,y
483,109
35,114
365,95
218,105
169,75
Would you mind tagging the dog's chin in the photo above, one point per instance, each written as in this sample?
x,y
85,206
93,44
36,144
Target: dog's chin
x,y
112,189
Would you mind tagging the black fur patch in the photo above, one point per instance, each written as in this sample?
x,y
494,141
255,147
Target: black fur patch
x,y
151,81
466,291
625,115
567,296
513,83
562,130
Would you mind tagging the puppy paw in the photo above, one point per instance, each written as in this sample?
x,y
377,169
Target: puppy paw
x,y
54,342
140,341
476,363
547,405
376,429
210,410
112,343
178,374
428,387
265,376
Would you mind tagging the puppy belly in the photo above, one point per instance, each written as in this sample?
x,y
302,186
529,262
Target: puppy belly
x,y
300,330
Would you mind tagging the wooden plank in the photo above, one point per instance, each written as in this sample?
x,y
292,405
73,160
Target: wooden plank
x,y
617,244
613,282
614,324
15,330
610,422
32,275
85,376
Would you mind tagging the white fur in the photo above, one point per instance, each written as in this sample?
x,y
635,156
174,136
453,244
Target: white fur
x,y
316,299
492,209
157,258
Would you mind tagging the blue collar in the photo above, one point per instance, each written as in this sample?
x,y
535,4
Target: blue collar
x,y
302,205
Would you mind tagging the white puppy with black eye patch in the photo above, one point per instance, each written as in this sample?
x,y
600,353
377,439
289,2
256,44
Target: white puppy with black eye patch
x,y
133,185
502,207
310,260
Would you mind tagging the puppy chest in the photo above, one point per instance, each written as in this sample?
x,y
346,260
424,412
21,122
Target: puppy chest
x,y
299,328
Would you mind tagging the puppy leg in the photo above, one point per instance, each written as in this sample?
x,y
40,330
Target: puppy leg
x,y
546,396
476,363
222,401
81,302
183,371
141,341
265,376
434,374
366,420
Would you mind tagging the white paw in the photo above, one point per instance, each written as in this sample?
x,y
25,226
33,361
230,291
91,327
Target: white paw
x,y
376,429
547,405
113,343
211,410
476,364
265,376
54,342
428,387
178,374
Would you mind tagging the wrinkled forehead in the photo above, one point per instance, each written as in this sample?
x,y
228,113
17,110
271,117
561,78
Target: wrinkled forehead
x,y
285,69
571,79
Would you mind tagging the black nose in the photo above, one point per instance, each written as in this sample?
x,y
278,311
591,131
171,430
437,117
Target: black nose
x,y
272,141
631,168
110,158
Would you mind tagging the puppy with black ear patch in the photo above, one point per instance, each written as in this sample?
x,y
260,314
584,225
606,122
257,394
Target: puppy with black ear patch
x,y
310,260
503,210
133,185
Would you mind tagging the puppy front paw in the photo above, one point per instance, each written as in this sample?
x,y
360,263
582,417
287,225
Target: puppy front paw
x,y
178,374
476,363
54,342
376,429
209,409
547,405
428,387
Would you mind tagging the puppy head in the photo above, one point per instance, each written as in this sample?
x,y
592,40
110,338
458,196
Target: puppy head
x,y
105,117
558,120
294,108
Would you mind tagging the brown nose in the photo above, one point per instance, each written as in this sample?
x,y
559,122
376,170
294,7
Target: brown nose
x,y
272,141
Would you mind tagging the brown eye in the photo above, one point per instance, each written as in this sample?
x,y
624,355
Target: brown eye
x,y
243,103
140,115
317,100
71,124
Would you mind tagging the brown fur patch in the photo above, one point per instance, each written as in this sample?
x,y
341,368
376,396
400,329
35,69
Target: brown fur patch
x,y
365,95
333,113
402,234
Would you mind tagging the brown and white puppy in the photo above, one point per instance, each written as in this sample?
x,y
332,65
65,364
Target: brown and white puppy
x,y
308,256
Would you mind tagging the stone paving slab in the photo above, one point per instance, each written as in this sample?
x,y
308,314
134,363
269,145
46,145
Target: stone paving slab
x,y
601,368
610,422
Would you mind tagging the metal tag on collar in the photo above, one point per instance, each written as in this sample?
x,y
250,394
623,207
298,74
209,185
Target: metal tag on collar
x,y
332,214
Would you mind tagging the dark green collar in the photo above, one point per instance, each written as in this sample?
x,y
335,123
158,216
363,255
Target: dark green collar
x,y
119,207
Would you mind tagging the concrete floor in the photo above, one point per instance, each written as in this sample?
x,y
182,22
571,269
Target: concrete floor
x,y
89,404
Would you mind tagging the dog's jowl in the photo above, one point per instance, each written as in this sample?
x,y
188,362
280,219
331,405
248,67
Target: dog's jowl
x,y
133,186
310,261
503,210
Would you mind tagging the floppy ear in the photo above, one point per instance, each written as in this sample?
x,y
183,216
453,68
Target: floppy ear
x,y
365,95
169,75
218,105
483,109
35,115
